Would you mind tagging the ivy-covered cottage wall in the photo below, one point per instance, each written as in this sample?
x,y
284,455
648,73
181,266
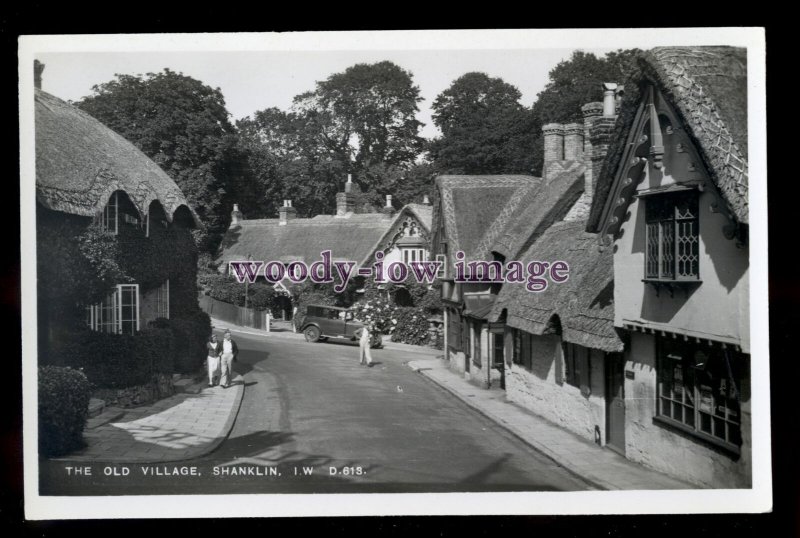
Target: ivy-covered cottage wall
x,y
78,264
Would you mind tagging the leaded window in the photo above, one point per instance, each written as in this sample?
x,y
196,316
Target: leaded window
x,y
699,389
672,237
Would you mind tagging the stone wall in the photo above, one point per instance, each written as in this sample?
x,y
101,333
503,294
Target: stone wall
x,y
539,390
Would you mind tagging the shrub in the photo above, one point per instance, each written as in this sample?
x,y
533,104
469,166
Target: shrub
x,y
63,409
115,360
190,336
260,295
411,326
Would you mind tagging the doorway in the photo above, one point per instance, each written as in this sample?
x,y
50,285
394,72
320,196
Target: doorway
x,y
615,402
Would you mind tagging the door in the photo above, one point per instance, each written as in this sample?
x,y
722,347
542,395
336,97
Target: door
x,y
498,357
615,402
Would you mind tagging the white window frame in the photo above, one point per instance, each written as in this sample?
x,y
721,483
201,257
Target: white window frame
x,y
95,313
106,218
162,300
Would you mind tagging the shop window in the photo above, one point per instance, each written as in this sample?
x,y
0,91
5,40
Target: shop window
x,y
117,313
577,367
699,390
672,237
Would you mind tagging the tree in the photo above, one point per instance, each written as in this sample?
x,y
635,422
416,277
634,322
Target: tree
x,y
361,122
575,82
184,127
485,129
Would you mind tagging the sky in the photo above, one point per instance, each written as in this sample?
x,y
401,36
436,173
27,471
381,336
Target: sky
x,y
256,80
257,71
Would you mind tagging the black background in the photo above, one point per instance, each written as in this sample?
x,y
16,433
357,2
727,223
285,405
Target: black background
x,y
77,18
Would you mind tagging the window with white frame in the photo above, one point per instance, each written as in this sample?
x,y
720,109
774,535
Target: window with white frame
x,y
162,300
414,255
108,220
117,313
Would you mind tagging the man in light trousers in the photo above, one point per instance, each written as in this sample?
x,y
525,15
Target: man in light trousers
x,y
214,350
364,355
229,352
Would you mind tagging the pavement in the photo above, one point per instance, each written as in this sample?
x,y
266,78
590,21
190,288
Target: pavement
x,y
183,426
600,467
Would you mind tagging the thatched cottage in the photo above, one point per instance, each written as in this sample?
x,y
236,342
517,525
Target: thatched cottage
x,y
355,233
671,204
645,349
105,212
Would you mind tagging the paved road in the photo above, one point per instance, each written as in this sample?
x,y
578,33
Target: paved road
x,y
382,429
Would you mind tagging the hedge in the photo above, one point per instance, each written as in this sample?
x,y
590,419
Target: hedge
x,y
64,395
118,361
190,336
260,295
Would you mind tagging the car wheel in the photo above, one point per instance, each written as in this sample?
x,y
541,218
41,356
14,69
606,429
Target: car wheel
x,y
311,334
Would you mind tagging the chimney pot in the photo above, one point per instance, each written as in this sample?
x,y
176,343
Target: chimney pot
x,y
286,213
609,99
236,215
388,200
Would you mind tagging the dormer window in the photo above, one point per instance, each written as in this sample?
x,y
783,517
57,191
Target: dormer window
x,y
672,241
119,209
108,220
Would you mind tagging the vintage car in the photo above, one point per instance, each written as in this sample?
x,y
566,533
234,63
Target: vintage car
x,y
323,322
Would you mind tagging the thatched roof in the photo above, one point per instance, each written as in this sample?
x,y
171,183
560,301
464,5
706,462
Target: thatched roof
x,y
80,162
355,237
582,306
475,209
707,88
539,206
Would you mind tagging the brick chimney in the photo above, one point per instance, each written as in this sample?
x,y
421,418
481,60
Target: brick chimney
x,y
346,201
598,125
388,209
553,147
236,216
38,67
573,142
286,212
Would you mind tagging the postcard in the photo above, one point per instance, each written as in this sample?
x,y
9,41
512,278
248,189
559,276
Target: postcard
x,y
394,273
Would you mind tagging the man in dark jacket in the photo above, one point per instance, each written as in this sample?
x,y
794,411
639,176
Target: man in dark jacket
x,y
229,352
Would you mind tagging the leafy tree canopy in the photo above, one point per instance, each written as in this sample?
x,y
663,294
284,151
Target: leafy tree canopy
x,y
184,127
485,129
361,122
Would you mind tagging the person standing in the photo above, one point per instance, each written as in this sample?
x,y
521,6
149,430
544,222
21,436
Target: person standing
x,y
214,351
229,352
363,346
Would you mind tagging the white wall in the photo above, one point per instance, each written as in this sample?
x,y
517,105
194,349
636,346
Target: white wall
x,y
539,391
